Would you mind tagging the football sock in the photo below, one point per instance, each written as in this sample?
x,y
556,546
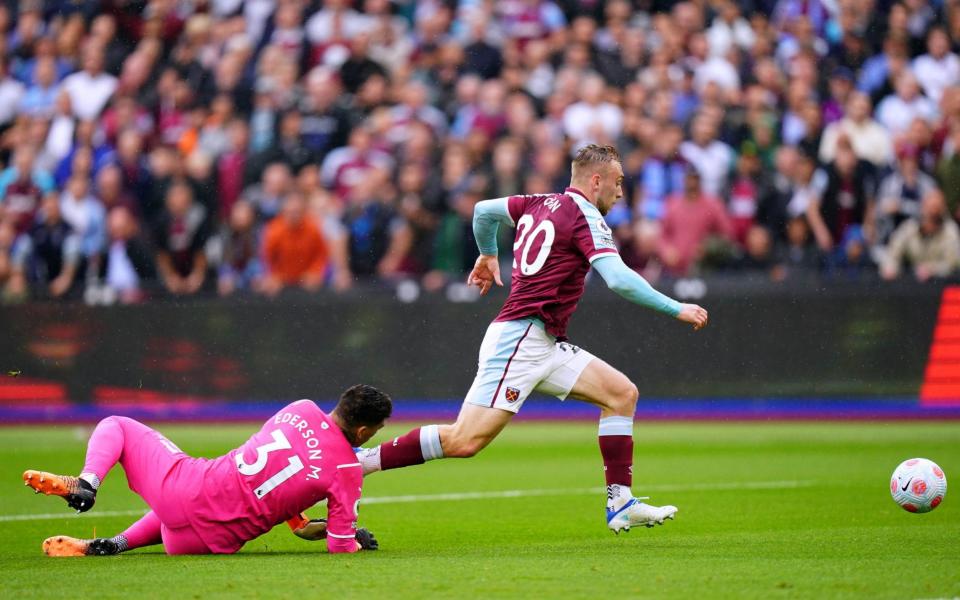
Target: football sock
x,y
618,495
369,459
103,449
145,532
415,448
92,479
616,447
121,542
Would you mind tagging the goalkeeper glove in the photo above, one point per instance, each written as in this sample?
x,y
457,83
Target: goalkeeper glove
x,y
316,529
366,540
308,529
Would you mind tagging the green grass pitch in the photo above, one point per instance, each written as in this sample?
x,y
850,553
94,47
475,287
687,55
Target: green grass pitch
x,y
766,511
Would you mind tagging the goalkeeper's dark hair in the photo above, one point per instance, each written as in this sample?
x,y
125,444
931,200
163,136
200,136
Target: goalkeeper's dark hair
x,y
364,405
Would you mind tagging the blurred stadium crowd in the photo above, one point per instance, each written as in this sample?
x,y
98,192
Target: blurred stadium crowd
x,y
180,147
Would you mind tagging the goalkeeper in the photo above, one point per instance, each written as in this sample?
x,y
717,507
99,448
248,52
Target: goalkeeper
x,y
299,457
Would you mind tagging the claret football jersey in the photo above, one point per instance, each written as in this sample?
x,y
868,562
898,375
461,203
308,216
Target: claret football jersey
x,y
557,237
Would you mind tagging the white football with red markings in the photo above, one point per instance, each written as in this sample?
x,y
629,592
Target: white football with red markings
x,y
918,485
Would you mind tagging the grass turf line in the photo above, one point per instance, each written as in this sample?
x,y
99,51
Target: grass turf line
x,y
840,536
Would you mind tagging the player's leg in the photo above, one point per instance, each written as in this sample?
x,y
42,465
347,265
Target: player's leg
x,y
513,357
145,454
103,451
475,427
582,376
145,532
616,396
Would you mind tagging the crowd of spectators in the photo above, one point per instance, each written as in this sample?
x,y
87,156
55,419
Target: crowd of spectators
x,y
176,147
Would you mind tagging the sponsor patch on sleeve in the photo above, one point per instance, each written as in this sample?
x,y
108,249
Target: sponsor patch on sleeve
x,y
602,234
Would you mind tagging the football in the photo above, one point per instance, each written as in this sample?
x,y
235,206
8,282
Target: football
x,y
918,485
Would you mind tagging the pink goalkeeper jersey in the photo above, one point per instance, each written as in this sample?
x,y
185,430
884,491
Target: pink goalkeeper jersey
x,y
558,236
298,458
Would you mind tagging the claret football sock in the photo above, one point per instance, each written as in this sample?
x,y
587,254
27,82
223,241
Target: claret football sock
x,y
403,451
414,448
616,447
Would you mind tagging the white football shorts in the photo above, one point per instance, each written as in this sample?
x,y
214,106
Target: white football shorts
x,y
518,357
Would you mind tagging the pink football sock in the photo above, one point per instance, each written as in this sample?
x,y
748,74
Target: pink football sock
x,y
145,532
104,448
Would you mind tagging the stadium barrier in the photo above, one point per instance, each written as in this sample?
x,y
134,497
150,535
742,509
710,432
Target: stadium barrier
x,y
770,350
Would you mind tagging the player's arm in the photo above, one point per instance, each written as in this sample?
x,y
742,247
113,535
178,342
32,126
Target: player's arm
x,y
628,283
342,502
487,217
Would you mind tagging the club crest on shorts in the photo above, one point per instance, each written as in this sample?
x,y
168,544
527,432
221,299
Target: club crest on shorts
x,y
512,394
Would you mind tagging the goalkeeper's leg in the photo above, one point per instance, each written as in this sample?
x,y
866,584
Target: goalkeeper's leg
x,y
145,454
145,532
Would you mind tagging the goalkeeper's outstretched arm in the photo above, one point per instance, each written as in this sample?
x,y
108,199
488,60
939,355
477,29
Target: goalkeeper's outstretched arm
x,y
314,530
309,529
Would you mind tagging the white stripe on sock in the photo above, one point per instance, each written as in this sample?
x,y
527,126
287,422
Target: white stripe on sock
x,y
92,479
430,442
616,426
370,459
438,445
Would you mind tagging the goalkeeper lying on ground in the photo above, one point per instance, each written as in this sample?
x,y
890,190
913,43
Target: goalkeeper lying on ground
x,y
214,506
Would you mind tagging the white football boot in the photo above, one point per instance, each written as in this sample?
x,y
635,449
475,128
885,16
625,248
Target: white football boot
x,y
634,513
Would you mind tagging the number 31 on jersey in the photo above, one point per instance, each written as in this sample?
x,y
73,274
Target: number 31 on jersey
x,y
280,442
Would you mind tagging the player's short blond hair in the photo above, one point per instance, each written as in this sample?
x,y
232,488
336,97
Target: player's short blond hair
x,y
592,156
